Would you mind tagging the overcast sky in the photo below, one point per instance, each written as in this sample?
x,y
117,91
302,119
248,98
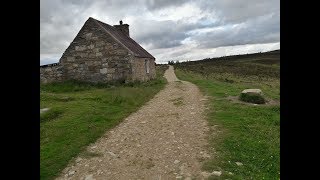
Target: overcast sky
x,y
168,29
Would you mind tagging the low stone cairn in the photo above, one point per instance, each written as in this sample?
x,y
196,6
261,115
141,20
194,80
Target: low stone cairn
x,y
252,96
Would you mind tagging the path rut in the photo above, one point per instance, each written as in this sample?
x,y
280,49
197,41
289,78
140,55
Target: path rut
x,y
164,139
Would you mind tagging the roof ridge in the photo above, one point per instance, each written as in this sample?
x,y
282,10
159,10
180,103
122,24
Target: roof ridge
x,y
98,22
124,40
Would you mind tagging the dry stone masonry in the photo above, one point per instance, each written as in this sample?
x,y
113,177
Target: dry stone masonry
x,y
101,53
51,73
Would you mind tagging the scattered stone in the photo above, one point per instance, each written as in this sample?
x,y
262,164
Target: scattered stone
x,y
78,160
112,154
176,161
239,163
89,177
44,110
143,122
230,173
71,173
179,177
99,172
188,178
205,155
205,174
216,173
93,147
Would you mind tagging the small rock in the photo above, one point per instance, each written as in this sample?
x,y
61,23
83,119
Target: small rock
x,y
112,154
143,122
99,160
230,173
172,133
205,174
89,177
176,161
179,177
239,163
44,110
188,178
204,155
78,160
93,147
216,173
71,173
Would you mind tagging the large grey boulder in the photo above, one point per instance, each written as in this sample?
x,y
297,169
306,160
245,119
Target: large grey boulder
x,y
252,96
252,91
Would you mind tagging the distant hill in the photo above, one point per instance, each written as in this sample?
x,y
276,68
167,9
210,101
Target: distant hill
x,y
274,53
257,64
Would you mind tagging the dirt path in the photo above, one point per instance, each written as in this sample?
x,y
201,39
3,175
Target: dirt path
x,y
165,139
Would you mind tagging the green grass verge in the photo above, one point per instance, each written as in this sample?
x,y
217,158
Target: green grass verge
x,y
244,133
80,113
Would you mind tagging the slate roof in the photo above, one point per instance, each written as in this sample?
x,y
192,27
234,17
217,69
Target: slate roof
x,y
124,40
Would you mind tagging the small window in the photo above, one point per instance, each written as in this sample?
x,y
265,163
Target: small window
x,y
147,64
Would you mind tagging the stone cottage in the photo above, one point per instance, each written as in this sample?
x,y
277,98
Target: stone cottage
x,y
101,53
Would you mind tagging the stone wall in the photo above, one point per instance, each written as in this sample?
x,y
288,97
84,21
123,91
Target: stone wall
x,y
95,56
51,73
139,69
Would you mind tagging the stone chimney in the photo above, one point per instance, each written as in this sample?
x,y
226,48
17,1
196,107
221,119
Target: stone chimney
x,y
123,27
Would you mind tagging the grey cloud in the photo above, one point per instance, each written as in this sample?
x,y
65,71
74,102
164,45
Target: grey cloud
x,y
156,4
238,22
163,34
261,30
237,11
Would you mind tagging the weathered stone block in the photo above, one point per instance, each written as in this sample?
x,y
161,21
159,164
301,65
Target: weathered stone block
x,y
100,43
70,59
91,46
111,70
103,71
80,48
88,36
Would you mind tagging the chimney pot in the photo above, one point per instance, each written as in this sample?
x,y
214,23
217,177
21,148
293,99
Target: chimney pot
x,y
121,22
